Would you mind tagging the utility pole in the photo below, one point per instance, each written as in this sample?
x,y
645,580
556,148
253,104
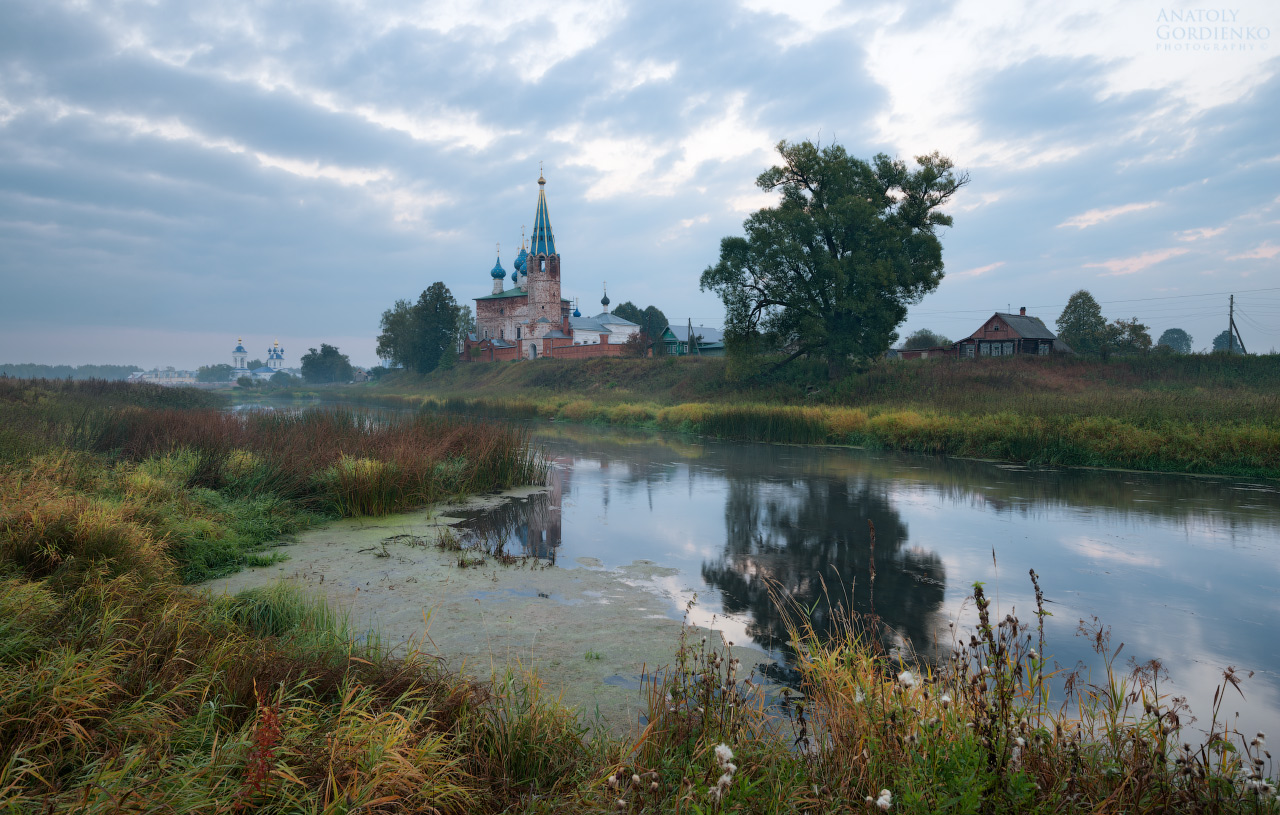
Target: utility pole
x,y
1233,333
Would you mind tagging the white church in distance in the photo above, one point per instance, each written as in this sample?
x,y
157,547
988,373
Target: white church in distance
x,y
275,362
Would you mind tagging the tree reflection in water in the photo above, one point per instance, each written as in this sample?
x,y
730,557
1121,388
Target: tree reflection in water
x,y
810,539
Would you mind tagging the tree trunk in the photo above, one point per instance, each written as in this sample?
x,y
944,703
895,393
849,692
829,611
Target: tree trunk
x,y
837,367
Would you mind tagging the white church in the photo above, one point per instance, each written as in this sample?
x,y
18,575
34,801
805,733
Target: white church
x,y
275,363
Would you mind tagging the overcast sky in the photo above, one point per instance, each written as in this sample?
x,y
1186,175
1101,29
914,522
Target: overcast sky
x,y
174,175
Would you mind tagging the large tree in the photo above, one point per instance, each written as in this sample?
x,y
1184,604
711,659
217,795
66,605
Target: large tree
x,y
326,365
1129,336
1082,326
1176,340
1227,343
651,320
831,269
924,338
417,335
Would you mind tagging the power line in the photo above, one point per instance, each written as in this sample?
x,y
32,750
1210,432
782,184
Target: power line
x,y
1112,302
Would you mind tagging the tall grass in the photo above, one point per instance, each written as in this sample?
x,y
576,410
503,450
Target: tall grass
x,y
1193,414
349,462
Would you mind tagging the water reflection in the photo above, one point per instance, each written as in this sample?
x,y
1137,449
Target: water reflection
x,y
523,527
811,540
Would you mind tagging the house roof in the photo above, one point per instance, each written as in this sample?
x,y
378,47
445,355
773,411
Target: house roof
x,y
508,293
605,318
588,324
1029,328
708,335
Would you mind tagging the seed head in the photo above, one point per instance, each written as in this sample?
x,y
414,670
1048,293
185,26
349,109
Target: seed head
x,y
885,800
723,754
907,679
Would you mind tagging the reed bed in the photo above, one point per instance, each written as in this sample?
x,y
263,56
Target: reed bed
x,y
94,480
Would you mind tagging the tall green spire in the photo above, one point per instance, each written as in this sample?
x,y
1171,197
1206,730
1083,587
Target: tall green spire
x,y
543,240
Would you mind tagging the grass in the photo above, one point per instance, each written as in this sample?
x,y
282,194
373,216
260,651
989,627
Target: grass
x,y
99,479
1195,414
122,690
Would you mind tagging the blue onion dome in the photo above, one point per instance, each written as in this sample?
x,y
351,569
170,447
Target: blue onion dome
x,y
576,313
604,301
515,277
521,258
497,272
240,346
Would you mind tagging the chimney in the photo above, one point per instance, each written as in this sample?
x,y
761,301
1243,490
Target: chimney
x,y
1023,311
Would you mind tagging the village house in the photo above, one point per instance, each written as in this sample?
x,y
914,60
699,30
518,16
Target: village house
x,y
707,342
1001,335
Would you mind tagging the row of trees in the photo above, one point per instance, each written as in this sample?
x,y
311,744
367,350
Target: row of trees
x,y
425,334
1082,326
28,370
652,323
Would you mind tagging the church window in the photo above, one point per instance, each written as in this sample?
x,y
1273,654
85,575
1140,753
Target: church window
x,y
517,332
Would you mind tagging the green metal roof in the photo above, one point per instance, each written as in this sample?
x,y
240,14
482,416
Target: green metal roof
x,y
543,240
508,293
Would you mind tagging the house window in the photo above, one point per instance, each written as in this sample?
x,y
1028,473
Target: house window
x,y
1044,349
985,348
1008,349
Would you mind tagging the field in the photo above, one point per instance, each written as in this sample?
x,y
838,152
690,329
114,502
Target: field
x,y
1195,414
122,690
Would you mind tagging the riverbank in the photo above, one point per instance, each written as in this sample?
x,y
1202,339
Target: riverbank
x,y
1190,414
123,690
591,634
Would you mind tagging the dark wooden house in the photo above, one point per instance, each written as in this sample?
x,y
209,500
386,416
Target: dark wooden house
x,y
1004,335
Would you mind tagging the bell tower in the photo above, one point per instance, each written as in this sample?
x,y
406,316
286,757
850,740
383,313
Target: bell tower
x,y
543,263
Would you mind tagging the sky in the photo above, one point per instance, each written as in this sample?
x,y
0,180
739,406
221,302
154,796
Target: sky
x,y
176,175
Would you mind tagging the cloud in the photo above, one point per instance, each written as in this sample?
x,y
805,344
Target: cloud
x,y
977,272
1202,233
1266,251
1096,216
205,169
1133,265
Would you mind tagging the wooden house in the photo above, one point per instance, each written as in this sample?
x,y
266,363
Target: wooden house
x,y
1004,335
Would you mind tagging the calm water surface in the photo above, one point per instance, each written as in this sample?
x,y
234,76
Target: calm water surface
x,y
1183,569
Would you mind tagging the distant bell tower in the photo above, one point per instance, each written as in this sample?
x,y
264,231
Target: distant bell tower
x,y
239,356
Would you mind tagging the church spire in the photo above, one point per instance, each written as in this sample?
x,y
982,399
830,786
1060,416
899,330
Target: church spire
x,y
543,240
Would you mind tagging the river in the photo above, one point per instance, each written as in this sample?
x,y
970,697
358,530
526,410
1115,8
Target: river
x,y
1182,569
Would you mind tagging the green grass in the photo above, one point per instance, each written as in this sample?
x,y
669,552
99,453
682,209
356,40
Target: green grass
x,y
1196,414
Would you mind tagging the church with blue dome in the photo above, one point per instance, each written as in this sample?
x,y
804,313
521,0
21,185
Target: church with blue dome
x,y
530,319
274,362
